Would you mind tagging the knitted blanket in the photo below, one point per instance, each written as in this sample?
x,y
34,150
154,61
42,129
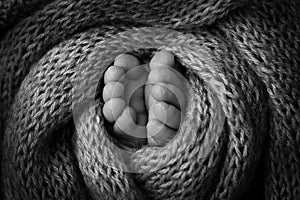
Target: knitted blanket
x,y
240,135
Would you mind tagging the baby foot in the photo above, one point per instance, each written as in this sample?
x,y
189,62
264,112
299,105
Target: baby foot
x,y
165,99
123,95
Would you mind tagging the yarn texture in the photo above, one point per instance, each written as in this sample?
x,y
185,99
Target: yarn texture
x,y
240,135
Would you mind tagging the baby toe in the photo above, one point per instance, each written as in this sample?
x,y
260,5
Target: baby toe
x,y
166,113
126,61
112,90
161,59
158,134
113,74
168,93
127,129
165,75
126,121
113,108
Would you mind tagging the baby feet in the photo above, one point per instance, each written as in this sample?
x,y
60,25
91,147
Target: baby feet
x,y
165,99
123,95
143,103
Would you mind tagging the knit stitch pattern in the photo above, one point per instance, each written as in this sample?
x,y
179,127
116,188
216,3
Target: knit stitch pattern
x,y
240,135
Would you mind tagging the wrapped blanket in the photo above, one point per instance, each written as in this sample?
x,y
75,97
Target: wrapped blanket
x,y
240,136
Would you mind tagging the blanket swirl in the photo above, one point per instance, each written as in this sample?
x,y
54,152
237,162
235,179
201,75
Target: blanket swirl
x,y
240,136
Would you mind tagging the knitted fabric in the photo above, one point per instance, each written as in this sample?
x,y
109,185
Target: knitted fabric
x,y
240,135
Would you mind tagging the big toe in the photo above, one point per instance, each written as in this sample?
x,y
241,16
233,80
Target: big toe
x,y
161,59
166,75
126,61
130,64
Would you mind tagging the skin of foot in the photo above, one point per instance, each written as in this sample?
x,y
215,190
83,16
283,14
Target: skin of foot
x,y
123,95
144,103
165,99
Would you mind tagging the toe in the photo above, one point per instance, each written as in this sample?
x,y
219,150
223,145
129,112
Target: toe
x,y
126,61
162,58
168,93
166,75
113,108
113,90
158,134
126,121
114,74
166,114
126,127
167,86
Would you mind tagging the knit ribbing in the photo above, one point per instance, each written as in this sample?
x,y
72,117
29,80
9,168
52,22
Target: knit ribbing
x,y
241,131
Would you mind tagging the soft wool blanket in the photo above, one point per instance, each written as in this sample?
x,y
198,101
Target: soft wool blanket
x,y
240,136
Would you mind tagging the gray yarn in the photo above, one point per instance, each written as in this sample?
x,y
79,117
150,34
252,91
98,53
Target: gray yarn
x,y
242,63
